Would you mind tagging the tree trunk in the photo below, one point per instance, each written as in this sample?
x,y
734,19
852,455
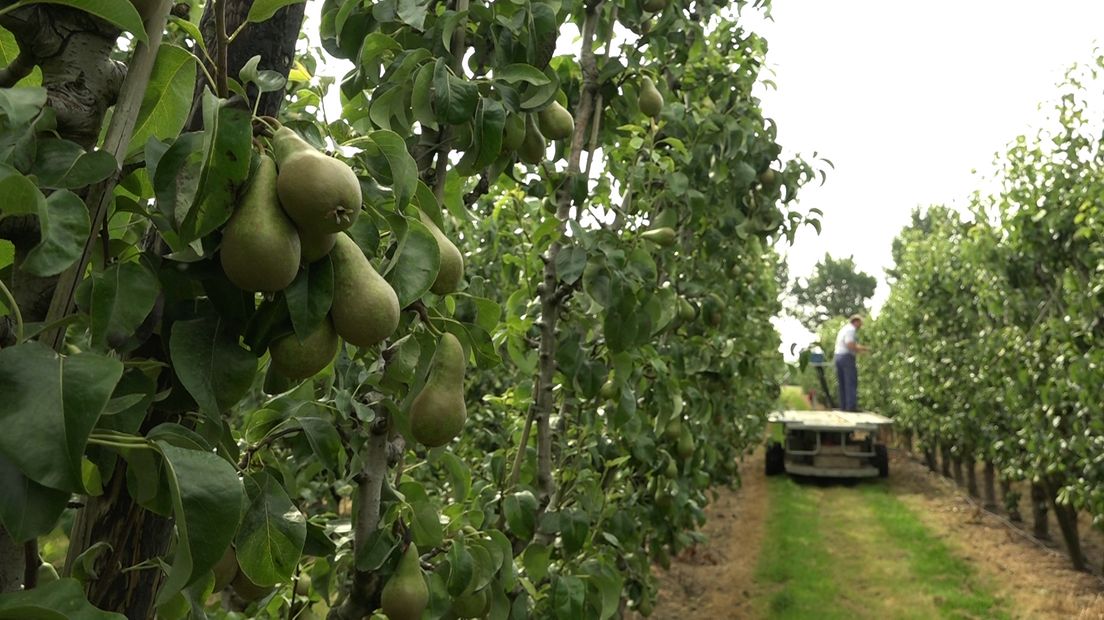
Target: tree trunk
x,y
1011,501
956,469
12,563
908,441
1067,523
1039,512
945,459
990,486
971,475
929,459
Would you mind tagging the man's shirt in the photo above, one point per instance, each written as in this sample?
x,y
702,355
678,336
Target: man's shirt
x,y
845,337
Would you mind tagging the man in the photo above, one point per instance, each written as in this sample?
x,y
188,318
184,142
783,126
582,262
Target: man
x,y
847,373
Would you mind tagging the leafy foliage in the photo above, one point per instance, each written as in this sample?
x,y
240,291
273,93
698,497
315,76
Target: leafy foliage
x,y
836,289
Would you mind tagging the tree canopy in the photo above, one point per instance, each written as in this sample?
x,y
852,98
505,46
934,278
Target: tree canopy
x,y
836,288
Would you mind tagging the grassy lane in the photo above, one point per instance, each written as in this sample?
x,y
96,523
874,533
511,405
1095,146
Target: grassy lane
x,y
854,551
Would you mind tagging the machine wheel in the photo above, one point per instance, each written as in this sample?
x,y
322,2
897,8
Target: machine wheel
x,y
881,460
776,459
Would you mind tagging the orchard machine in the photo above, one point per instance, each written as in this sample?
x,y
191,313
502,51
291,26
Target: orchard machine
x,y
830,444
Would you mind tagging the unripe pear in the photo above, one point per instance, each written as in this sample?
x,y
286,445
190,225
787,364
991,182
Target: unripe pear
x,y
513,133
556,122
451,271
247,590
365,308
298,359
686,310
653,6
319,192
608,389
650,100
260,247
664,237
673,429
315,246
405,594
474,605
533,147
438,412
685,445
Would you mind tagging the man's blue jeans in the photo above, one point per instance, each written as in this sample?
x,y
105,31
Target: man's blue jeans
x,y
847,374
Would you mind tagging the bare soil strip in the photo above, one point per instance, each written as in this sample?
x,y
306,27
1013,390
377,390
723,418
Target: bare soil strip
x,y
719,578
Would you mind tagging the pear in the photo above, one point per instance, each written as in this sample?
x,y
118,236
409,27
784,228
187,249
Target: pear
x,y
533,147
315,246
686,311
653,6
513,133
438,413
650,101
365,309
664,237
452,261
247,590
260,246
608,389
298,359
685,446
320,193
556,122
405,594
673,429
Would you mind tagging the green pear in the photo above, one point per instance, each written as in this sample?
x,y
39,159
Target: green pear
x,y
298,359
320,193
685,446
247,590
452,261
315,246
260,246
650,100
664,237
608,389
653,6
513,133
533,148
46,573
686,311
556,122
365,308
438,413
673,429
405,594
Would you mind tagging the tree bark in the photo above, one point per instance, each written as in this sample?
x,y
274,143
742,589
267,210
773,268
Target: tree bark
x,y
1011,501
945,459
12,563
990,486
1066,516
971,475
956,469
929,459
1039,512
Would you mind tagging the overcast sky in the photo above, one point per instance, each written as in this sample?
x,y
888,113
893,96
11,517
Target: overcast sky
x,y
907,99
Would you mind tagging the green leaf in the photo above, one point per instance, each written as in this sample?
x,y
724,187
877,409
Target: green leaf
x,y
52,403
413,13
490,119
416,267
263,10
61,164
215,370
461,568
570,263
454,99
388,160
568,595
459,476
270,540
521,72
374,552
122,14
63,219
58,600
426,525
310,296
122,296
421,101
227,149
191,29
535,560
9,49
325,442
521,513
29,510
168,98
207,504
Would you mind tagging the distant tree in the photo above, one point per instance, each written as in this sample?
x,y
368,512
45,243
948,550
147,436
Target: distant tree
x,y
836,288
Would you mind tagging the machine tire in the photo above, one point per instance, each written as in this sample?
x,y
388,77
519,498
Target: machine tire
x,y
776,459
881,460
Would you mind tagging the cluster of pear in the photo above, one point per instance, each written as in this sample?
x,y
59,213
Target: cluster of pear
x,y
405,595
528,134
295,211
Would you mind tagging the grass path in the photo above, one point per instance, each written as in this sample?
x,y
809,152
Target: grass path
x,y
853,551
